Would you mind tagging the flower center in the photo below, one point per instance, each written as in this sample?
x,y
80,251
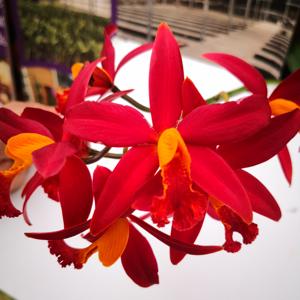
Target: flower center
x,y
179,199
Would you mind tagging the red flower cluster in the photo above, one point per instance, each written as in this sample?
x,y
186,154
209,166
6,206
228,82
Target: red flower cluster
x,y
189,163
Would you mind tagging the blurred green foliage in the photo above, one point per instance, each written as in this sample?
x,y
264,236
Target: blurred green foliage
x,y
4,296
55,34
293,59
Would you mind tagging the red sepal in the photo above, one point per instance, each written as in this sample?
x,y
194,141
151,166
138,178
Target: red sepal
x,y
100,176
264,144
136,167
50,160
7,209
144,197
138,260
220,181
109,123
50,120
191,98
216,124
165,80
12,124
132,54
261,199
79,87
59,234
187,236
176,244
75,191
288,88
247,74
286,163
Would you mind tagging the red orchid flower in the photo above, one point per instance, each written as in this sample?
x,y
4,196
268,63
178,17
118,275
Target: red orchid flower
x,y
284,99
104,77
38,137
183,149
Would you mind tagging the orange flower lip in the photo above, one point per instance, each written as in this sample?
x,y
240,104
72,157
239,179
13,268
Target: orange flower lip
x,y
187,206
281,106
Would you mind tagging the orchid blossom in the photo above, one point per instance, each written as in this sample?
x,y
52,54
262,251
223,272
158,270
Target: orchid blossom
x,y
180,145
284,99
37,136
188,164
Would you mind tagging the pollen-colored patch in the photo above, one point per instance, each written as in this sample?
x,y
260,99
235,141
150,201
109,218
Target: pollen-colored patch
x,y
282,106
234,223
110,246
19,148
187,206
75,69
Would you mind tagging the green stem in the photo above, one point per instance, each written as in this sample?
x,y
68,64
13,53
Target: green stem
x,y
131,100
234,92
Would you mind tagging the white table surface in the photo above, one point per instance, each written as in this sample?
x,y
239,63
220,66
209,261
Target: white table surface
x,y
267,269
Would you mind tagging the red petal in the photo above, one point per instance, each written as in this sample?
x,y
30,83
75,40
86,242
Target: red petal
x,y
165,80
136,167
112,124
100,177
247,74
92,91
212,174
102,81
66,255
191,98
35,181
110,29
176,244
7,209
79,87
75,191
132,54
138,260
143,198
108,51
12,124
261,199
50,120
50,186
187,236
60,234
116,95
222,123
288,88
286,164
263,145
50,160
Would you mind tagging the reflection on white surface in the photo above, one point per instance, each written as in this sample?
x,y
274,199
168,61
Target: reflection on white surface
x,y
267,269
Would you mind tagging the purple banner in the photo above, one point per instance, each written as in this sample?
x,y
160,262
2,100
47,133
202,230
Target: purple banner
x,y
3,38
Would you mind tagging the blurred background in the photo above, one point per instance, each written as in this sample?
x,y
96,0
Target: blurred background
x,y
40,40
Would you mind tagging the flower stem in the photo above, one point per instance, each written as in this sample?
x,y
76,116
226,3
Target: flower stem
x,y
96,155
131,100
